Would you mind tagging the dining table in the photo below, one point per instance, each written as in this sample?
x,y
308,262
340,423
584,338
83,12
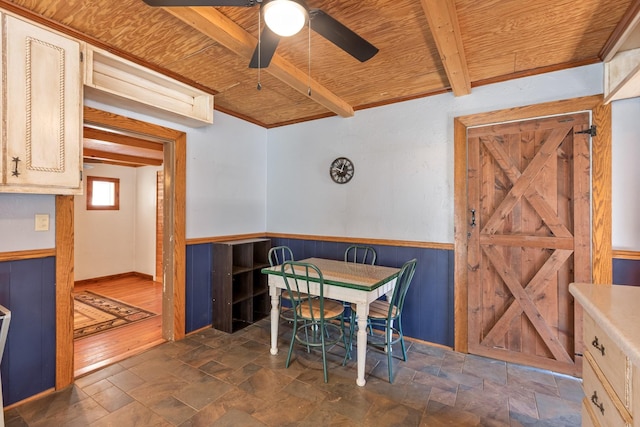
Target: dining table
x,y
356,283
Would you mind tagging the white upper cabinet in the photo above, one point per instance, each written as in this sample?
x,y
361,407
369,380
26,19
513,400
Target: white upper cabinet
x,y
116,81
621,56
41,109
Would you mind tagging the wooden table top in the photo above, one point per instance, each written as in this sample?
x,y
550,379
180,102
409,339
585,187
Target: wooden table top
x,y
347,274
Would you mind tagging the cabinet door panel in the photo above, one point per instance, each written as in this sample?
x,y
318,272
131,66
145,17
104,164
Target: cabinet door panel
x,y
44,107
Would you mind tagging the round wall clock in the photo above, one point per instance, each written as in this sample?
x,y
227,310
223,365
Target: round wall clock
x,y
341,170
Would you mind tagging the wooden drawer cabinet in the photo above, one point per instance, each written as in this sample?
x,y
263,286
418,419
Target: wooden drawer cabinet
x,y
611,337
606,355
605,406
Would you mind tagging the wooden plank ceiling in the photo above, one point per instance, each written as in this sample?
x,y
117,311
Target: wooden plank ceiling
x,y
426,47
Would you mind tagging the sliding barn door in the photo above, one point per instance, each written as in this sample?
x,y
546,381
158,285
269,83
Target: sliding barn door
x,y
529,237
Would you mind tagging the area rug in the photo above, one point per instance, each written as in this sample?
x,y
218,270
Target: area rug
x,y
94,313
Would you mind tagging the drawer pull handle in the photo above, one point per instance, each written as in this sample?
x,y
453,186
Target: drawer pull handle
x,y
594,400
597,345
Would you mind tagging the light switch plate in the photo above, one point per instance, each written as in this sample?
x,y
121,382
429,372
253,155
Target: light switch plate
x,y
42,222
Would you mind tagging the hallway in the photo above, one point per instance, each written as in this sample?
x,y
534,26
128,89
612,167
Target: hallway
x,y
100,350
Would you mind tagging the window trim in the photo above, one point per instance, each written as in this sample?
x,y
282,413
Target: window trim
x,y
116,201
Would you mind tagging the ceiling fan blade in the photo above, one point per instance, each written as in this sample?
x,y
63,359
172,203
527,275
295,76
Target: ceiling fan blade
x,y
187,3
341,36
268,44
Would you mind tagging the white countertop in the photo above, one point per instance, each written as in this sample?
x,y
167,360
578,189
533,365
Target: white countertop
x,y
616,309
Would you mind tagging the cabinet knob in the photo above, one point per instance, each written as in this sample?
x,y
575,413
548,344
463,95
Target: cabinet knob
x,y
594,400
597,345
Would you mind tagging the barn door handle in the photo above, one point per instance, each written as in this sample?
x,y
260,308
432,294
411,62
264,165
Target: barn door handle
x,y
597,345
473,217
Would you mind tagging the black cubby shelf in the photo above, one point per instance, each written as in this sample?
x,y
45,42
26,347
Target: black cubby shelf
x,y
239,289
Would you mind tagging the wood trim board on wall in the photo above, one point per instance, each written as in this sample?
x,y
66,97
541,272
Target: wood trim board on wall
x,y
624,254
64,286
364,241
28,254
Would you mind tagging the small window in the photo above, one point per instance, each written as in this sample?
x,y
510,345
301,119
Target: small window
x,y
103,193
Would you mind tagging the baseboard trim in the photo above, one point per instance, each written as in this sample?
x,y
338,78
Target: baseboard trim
x,y
30,399
199,330
113,277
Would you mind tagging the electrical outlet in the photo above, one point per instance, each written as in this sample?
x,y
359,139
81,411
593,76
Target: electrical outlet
x,y
42,222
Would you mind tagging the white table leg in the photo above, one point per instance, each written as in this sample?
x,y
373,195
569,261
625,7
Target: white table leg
x,y
362,310
275,318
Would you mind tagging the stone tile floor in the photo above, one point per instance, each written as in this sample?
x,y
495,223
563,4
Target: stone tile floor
x,y
216,379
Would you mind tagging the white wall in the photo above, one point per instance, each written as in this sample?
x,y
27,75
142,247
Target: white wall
x,y
403,155
104,240
226,174
626,174
145,220
117,241
226,178
17,222
403,188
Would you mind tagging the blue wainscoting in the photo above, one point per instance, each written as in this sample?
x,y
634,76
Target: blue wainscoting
x,y
626,272
27,288
198,287
428,308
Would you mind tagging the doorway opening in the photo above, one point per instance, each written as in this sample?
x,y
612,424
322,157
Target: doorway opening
x,y
118,292
173,258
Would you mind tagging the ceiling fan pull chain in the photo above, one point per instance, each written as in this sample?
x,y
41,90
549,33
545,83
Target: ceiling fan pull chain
x,y
309,71
259,43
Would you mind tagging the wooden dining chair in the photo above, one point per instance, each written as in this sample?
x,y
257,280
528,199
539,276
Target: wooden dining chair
x,y
278,255
385,317
314,316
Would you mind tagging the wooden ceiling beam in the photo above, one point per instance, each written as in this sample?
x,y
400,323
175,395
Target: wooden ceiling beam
x,y
115,158
443,22
223,30
116,138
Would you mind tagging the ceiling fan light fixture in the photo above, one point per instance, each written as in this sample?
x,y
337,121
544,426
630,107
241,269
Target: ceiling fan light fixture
x,y
284,17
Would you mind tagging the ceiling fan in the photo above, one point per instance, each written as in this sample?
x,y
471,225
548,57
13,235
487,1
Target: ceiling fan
x,y
285,18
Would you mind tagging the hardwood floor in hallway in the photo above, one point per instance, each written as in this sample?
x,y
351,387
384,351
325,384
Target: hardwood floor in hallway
x,y
99,350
